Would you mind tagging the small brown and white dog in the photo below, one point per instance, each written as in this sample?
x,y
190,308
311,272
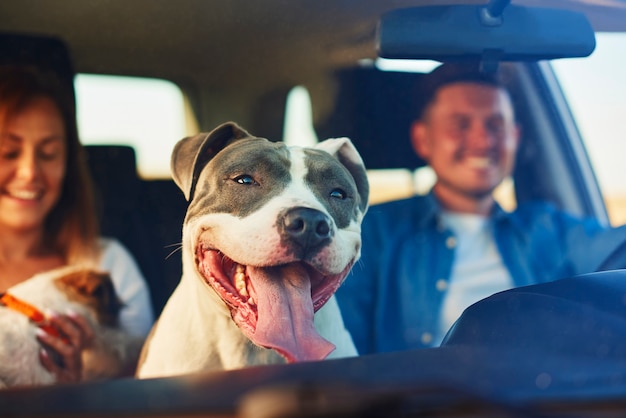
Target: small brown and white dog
x,y
23,308
271,232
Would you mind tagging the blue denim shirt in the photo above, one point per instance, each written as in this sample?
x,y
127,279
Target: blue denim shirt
x,y
392,298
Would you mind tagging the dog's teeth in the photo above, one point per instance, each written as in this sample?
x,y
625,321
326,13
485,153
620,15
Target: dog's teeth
x,y
251,301
240,281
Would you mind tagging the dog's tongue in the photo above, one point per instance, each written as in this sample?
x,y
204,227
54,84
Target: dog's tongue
x,y
285,313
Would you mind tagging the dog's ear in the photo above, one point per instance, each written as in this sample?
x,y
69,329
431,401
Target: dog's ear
x,y
347,154
191,154
94,289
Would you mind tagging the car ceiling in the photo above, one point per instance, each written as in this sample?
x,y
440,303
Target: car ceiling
x,y
235,45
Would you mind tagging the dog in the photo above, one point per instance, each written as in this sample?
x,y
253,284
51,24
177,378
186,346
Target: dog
x,y
22,309
270,233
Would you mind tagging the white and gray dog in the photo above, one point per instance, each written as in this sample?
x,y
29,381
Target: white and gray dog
x,y
270,233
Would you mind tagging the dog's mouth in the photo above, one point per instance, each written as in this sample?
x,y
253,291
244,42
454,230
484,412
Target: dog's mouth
x,y
274,305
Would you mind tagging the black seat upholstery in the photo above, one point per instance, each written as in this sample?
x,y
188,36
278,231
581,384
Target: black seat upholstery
x,y
118,197
375,109
113,167
164,209
46,53
145,215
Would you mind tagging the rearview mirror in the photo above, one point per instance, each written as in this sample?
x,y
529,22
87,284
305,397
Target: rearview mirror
x,y
463,31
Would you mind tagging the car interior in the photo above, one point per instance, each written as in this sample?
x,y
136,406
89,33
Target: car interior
x,y
372,107
333,52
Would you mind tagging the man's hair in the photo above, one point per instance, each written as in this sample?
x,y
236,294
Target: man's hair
x,y
450,73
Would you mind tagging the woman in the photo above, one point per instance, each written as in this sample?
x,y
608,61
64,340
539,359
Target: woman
x,y
47,215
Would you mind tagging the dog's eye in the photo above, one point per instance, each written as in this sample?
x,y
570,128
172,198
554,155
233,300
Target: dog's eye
x,y
338,194
246,180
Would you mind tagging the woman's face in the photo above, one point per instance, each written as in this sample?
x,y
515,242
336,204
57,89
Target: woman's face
x,y
33,151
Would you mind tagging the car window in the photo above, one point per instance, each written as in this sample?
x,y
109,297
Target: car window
x,y
148,114
595,88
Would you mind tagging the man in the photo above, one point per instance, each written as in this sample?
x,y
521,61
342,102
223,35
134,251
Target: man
x,y
427,258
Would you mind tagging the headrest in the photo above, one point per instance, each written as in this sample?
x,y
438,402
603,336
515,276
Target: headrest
x,y
114,172
375,110
46,53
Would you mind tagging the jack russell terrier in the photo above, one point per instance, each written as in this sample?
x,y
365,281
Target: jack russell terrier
x,y
270,233
23,308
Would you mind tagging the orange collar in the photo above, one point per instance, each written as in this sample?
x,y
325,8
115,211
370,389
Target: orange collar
x,y
32,313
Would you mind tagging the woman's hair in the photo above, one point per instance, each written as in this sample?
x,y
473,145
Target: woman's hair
x,y
71,227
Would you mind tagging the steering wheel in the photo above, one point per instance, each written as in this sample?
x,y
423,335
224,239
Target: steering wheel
x,y
616,260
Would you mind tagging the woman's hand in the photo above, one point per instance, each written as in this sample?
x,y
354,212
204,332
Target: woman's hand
x,y
61,355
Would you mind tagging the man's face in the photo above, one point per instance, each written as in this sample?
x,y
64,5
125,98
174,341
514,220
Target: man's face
x,y
469,137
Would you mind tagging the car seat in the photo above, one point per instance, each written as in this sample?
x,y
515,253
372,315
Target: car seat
x,y
375,110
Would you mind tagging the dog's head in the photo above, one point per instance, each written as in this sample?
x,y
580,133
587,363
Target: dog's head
x,y
95,290
274,230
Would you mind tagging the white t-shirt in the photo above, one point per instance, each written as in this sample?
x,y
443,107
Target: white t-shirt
x,y
136,315
477,271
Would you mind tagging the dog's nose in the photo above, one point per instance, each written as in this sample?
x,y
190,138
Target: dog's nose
x,y
307,227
